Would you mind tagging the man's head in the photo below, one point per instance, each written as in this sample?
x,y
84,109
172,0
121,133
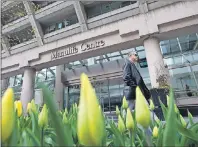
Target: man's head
x,y
133,56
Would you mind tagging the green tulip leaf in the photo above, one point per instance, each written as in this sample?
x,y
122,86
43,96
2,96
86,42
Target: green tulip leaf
x,y
49,141
171,126
63,137
189,134
35,140
190,119
14,137
160,137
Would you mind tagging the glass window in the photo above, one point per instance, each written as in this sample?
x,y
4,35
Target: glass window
x,y
126,3
188,57
113,54
115,5
139,48
174,47
105,8
93,11
19,79
115,58
127,51
142,54
11,81
60,25
195,56
169,61
52,28
178,60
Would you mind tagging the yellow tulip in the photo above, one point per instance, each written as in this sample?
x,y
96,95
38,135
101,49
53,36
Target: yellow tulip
x,y
152,106
124,103
129,120
43,117
155,132
19,108
100,108
7,112
183,121
90,124
117,111
33,106
142,112
29,107
121,125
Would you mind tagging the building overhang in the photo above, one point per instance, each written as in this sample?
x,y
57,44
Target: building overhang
x,y
163,23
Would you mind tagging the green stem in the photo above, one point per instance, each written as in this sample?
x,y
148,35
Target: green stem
x,y
132,135
42,136
148,137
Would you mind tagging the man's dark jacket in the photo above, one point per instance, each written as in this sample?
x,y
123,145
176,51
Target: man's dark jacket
x,y
132,79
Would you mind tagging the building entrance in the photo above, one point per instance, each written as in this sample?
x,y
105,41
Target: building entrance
x,y
109,93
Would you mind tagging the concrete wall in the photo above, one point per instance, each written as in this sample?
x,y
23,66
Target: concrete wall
x,y
164,23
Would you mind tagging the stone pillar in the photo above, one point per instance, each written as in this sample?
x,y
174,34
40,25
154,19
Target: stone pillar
x,y
27,92
4,84
156,66
59,87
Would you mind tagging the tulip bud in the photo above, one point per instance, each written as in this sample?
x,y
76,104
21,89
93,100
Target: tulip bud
x,y
33,106
183,121
7,114
121,125
65,119
19,108
117,111
66,112
152,106
190,115
124,103
142,112
99,108
43,117
155,132
76,106
29,107
90,124
129,120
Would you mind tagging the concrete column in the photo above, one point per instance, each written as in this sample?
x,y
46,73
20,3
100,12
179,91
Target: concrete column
x,y
4,84
27,92
35,24
59,87
80,12
155,62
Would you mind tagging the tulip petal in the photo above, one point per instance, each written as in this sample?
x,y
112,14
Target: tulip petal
x,y
90,120
142,110
7,118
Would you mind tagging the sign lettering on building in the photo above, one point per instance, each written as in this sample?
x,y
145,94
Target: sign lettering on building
x,y
64,53
72,50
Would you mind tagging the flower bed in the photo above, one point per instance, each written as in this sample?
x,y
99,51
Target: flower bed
x,y
86,125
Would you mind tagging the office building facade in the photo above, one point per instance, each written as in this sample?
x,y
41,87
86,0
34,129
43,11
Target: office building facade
x,y
56,41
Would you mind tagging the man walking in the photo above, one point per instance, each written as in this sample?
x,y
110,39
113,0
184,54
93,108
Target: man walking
x,y
132,79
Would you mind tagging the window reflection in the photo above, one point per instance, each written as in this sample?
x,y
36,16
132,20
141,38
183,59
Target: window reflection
x,y
98,8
